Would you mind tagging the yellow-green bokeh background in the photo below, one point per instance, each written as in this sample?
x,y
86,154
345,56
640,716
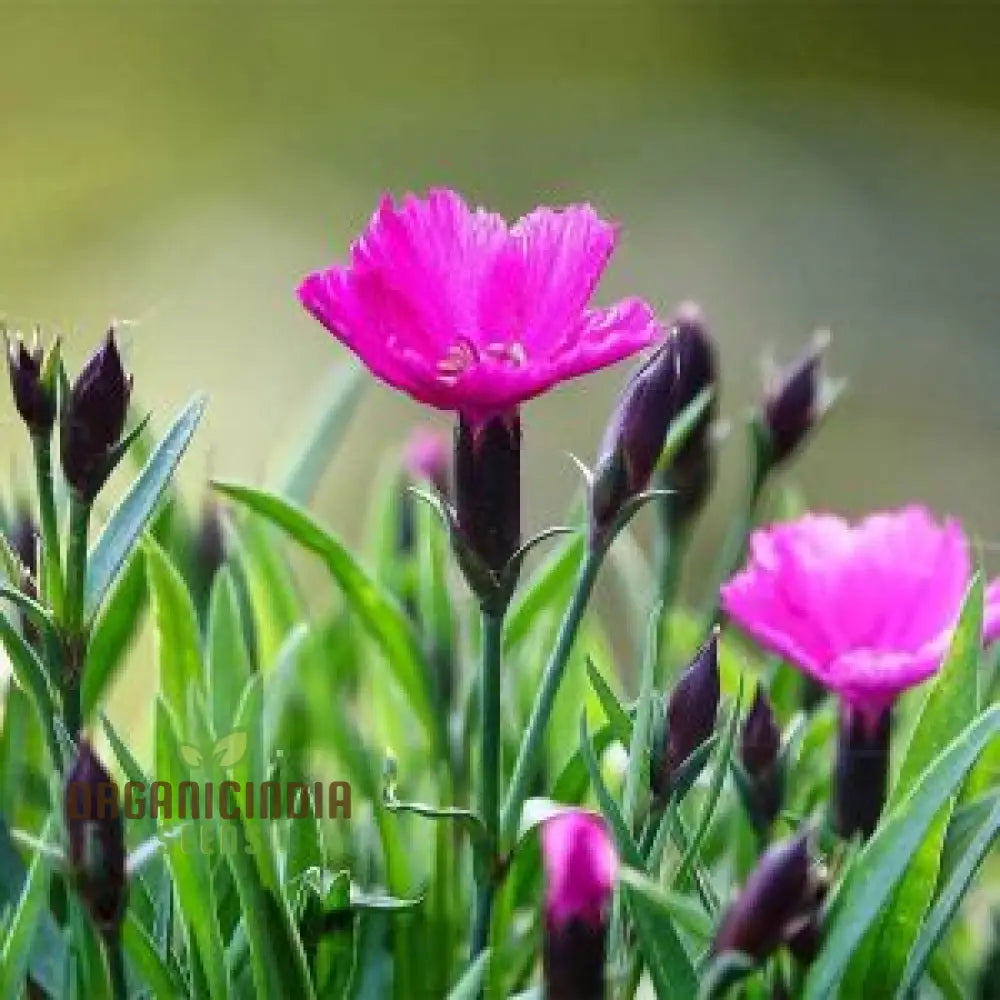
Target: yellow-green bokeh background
x,y
790,166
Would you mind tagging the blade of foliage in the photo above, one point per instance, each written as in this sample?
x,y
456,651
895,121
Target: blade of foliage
x,y
950,705
129,518
228,663
177,635
377,609
883,861
470,985
155,974
322,433
669,965
193,882
549,585
30,674
23,923
113,630
615,712
949,898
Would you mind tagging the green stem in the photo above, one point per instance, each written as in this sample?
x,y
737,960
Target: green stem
x,y
116,966
489,775
673,546
530,750
73,637
51,579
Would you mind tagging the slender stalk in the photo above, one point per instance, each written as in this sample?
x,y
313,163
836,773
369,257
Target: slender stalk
x,y
51,579
76,575
673,547
531,745
489,774
116,966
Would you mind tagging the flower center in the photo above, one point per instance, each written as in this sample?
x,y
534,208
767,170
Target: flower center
x,y
463,354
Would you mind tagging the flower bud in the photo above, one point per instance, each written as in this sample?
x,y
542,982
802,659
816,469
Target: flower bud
x,y
781,893
488,498
23,537
32,379
580,869
795,399
635,436
862,771
96,839
93,419
760,749
691,711
691,471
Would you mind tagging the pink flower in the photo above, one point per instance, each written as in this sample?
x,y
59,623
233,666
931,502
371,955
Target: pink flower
x,y
466,313
866,609
426,456
580,868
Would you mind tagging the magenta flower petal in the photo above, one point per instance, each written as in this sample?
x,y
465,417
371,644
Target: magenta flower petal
x,y
867,609
580,868
464,313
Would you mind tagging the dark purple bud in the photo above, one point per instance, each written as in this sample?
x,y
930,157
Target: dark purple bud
x,y
488,493
794,401
690,716
93,418
862,772
96,839
780,893
210,542
635,436
23,538
34,387
760,749
691,472
580,870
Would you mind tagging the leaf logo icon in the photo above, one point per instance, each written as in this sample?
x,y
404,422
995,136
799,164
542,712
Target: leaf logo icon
x,y
230,749
191,755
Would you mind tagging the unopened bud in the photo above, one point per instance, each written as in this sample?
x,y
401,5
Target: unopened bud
x,y
96,839
862,771
690,717
425,458
760,750
93,419
33,381
635,436
795,399
780,894
580,871
488,498
691,471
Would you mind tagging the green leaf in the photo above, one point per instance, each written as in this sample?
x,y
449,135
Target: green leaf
x,y
549,586
177,637
884,859
950,705
470,985
129,518
627,847
670,966
228,665
192,872
23,923
378,610
949,898
155,974
30,675
616,714
113,630
322,433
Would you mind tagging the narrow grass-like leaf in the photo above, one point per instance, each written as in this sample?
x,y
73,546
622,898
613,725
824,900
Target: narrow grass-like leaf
x,y
669,964
322,433
129,519
228,663
950,705
884,860
177,636
949,898
23,923
155,974
470,985
30,674
377,609
192,872
627,846
617,716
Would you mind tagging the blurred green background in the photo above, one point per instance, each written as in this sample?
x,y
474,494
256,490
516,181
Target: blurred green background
x,y
790,167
